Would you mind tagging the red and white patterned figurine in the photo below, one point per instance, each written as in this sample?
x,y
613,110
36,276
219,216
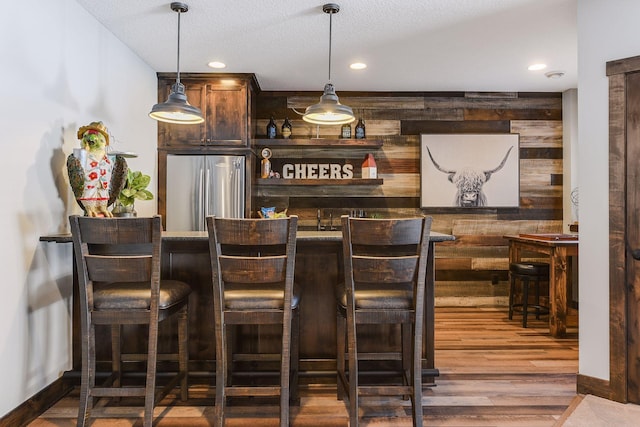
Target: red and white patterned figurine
x,y
95,181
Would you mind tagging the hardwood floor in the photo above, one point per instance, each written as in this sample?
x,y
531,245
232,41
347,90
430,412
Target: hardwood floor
x,y
492,373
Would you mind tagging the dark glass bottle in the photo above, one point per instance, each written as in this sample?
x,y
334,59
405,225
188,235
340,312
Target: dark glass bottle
x,y
346,130
360,131
271,129
286,128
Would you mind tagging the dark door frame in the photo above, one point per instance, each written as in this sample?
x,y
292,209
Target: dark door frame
x,y
624,133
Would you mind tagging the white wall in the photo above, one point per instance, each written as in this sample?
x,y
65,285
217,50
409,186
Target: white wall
x,y
607,30
60,70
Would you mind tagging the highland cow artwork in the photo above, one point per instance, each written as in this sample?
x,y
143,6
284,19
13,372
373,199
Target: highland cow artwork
x,y
470,170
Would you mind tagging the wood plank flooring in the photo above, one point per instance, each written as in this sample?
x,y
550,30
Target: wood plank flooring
x,y
492,373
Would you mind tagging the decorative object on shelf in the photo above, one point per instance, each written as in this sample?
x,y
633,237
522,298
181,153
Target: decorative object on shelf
x,y
574,203
271,129
369,168
135,189
96,181
265,164
286,128
329,111
360,129
345,131
176,109
270,212
317,171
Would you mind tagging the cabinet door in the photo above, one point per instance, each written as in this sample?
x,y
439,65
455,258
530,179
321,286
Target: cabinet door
x,y
179,135
227,114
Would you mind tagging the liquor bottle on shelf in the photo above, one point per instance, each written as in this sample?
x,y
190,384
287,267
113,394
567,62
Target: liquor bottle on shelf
x,y
369,168
346,131
360,130
271,129
286,128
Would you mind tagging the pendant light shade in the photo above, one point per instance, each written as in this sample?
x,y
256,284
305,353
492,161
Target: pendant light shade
x,y
329,111
176,109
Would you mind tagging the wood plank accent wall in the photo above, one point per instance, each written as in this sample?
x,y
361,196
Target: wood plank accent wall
x,y
473,269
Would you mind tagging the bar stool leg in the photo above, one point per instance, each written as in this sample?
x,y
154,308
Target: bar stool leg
x,y
295,357
512,290
341,323
183,350
537,297
88,377
525,300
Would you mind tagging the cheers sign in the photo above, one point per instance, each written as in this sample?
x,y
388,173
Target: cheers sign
x,y
317,171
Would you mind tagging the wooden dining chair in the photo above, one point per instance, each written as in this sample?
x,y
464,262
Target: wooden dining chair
x,y
118,266
385,266
253,263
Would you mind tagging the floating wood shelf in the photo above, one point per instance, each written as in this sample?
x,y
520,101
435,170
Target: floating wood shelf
x,y
353,181
318,142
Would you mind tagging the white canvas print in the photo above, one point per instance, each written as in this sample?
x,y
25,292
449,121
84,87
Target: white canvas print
x,y
470,170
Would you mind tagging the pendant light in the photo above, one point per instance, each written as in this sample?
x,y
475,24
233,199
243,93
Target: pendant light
x,y
176,109
329,111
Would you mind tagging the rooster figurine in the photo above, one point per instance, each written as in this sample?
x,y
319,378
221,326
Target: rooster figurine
x,y
95,181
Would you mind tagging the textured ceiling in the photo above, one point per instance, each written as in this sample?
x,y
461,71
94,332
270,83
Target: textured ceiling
x,y
409,45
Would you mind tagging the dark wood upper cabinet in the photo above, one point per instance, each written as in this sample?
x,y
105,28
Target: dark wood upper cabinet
x,y
226,103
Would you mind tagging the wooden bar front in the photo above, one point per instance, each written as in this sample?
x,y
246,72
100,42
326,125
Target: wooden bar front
x,y
318,271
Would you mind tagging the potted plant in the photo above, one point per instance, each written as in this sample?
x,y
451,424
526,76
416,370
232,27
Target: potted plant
x,y
135,188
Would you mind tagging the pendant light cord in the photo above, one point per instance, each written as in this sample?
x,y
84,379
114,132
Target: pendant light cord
x,y
330,31
178,59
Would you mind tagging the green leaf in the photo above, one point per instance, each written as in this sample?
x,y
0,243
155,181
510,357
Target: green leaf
x,y
135,188
143,195
148,194
128,192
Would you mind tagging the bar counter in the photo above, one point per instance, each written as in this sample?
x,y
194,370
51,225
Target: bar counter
x,y
318,270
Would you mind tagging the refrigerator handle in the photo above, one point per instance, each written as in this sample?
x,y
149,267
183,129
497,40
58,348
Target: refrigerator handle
x,y
237,180
207,183
200,209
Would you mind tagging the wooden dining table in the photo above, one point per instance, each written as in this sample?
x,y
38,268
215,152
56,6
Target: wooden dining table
x,y
559,248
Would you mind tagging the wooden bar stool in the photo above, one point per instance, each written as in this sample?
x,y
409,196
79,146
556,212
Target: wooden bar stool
x,y
385,264
252,262
526,273
118,265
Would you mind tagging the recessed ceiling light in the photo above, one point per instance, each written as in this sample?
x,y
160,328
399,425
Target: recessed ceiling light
x,y
217,64
554,74
358,66
537,67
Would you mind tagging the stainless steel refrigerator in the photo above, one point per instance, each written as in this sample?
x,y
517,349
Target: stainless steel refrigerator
x,y
202,185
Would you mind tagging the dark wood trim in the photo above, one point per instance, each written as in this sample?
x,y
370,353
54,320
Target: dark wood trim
x,y
619,317
623,66
37,404
594,386
617,231
248,77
